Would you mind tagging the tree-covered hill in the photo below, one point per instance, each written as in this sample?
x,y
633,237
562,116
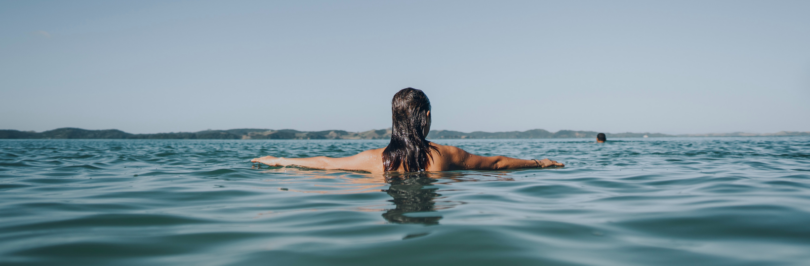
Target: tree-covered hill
x,y
255,133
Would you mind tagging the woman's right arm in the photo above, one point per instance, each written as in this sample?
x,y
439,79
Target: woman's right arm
x,y
368,161
463,160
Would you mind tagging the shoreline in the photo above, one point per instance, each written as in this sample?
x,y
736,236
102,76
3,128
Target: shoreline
x,y
382,134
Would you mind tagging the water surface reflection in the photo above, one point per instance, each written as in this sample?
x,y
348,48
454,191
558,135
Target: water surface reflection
x,y
414,195
414,200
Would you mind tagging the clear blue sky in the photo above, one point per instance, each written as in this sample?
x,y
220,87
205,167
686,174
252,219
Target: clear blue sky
x,y
610,66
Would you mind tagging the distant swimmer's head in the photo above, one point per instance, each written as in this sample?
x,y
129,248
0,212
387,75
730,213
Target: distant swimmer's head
x,y
600,138
410,115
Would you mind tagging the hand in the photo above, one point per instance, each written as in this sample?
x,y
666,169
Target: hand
x,y
549,163
268,160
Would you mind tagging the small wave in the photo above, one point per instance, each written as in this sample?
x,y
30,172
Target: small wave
x,y
550,191
81,166
741,222
11,186
217,172
110,220
726,188
13,164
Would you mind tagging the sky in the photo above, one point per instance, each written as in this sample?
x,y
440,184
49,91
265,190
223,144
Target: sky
x,y
675,67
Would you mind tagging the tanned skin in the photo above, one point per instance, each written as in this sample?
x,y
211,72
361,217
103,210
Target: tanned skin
x,y
447,159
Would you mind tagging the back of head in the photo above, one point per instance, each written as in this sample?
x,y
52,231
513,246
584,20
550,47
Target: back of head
x,y
601,137
408,146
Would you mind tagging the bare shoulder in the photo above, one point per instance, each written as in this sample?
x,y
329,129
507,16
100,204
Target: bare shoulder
x,y
449,151
369,156
370,160
372,154
448,157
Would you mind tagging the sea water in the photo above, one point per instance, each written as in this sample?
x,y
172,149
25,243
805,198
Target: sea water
x,y
673,201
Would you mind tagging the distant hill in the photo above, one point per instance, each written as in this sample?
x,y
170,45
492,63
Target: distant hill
x,y
255,133
533,134
66,133
243,133
743,134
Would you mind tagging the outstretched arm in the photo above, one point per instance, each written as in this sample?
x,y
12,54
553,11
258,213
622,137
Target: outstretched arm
x,y
364,161
463,160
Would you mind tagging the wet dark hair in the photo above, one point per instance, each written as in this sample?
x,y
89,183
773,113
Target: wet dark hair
x,y
601,137
408,146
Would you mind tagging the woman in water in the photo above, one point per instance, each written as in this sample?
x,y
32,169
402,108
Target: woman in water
x,y
408,150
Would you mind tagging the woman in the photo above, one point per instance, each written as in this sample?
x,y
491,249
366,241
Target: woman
x,y
408,150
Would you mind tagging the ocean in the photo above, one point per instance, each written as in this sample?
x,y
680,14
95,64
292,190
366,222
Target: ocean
x,y
654,201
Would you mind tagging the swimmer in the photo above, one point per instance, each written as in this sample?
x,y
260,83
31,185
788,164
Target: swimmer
x,y
408,150
600,138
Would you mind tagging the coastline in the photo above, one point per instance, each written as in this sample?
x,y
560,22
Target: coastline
x,y
247,134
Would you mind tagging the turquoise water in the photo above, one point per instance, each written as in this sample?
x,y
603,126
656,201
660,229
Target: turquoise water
x,y
679,201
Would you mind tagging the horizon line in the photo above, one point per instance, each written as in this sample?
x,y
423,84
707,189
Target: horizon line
x,y
436,130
